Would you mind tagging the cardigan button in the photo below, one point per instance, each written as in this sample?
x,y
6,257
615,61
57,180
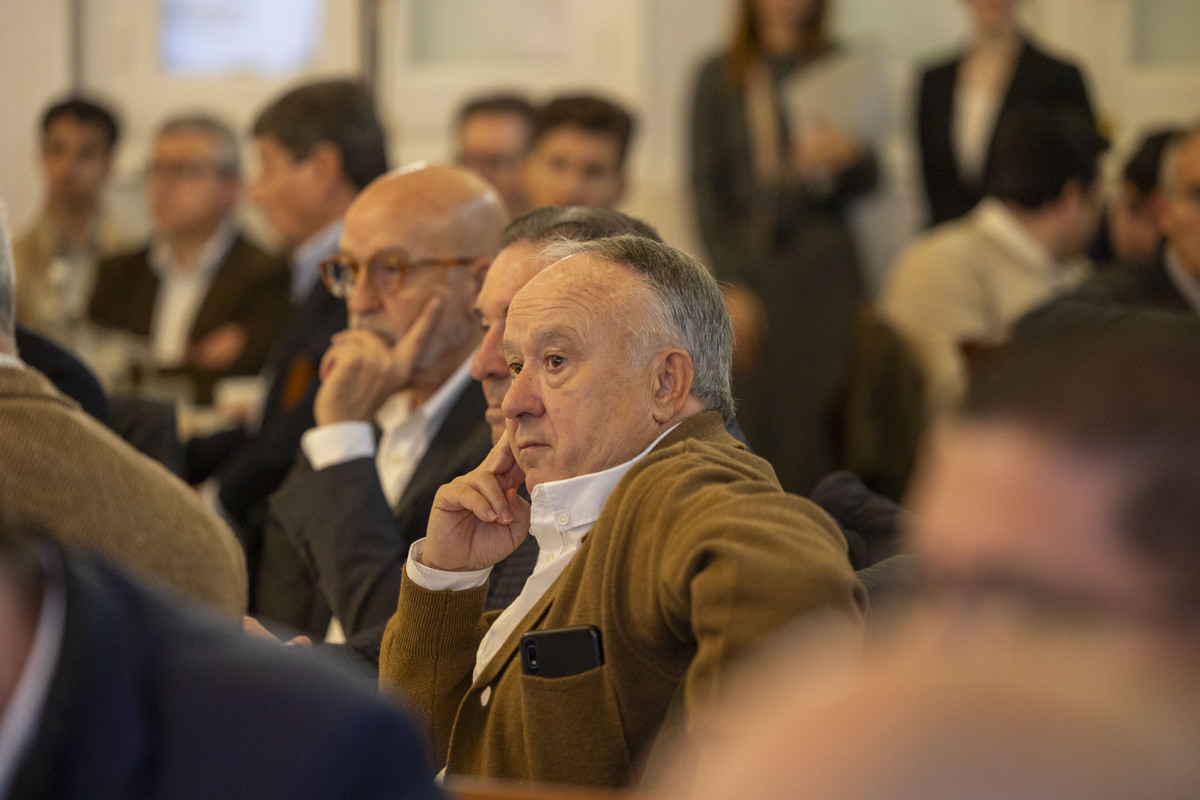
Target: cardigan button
x,y
485,696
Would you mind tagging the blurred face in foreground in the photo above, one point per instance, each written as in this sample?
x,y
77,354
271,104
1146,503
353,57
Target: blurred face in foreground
x,y
1003,512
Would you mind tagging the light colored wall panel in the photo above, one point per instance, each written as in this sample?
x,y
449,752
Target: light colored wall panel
x,y
35,63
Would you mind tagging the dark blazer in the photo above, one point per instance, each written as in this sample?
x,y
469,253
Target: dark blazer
x,y
250,288
257,463
68,374
154,700
1038,80
1121,286
331,543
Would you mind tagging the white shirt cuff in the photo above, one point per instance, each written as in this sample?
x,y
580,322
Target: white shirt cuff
x,y
438,580
338,442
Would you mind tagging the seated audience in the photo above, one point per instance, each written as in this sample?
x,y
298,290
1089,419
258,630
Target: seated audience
x,y
318,145
656,529
1069,480
1171,280
492,138
56,257
1130,232
67,473
413,252
207,302
964,283
519,259
107,689
577,155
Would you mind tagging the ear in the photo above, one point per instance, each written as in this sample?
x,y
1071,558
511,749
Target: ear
x,y
1072,195
1159,202
673,375
325,164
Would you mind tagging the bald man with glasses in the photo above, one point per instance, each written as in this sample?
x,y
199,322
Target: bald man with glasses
x,y
397,413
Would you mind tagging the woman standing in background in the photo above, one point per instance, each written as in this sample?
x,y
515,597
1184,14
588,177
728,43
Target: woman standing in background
x,y
770,203
961,102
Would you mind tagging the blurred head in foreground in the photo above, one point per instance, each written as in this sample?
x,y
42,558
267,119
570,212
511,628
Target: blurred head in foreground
x,y
1070,478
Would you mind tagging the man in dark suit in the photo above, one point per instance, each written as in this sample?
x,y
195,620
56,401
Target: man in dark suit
x,y
207,302
318,145
413,252
107,689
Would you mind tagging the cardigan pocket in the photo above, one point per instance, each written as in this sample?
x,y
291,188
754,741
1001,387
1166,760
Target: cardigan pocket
x,y
573,729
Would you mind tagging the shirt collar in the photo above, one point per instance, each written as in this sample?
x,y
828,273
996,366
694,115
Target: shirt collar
x,y
306,259
573,505
10,360
1183,278
164,265
397,410
995,219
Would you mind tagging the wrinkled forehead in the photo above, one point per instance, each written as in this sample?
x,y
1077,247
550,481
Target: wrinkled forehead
x,y
581,291
581,278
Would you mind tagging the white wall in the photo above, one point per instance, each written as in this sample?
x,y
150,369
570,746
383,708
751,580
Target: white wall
x,y
34,61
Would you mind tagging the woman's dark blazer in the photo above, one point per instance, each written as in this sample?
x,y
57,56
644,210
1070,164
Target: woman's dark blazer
x,y
1038,80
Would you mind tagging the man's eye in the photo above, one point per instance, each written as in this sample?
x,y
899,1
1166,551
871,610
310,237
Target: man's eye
x,y
514,368
554,361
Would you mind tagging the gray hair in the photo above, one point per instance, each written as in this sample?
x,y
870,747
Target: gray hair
x,y
575,224
1167,179
8,286
689,311
229,158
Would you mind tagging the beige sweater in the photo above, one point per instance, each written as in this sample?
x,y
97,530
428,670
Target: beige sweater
x,y
72,477
697,556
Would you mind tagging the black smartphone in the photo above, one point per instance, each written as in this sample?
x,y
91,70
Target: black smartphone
x,y
559,652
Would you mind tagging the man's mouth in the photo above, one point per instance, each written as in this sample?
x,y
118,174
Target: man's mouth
x,y
389,337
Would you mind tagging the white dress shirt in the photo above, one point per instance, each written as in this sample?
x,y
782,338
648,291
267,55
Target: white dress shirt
x,y
562,513
975,113
19,722
181,291
405,435
969,280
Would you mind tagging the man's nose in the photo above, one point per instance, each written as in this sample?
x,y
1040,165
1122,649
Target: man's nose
x,y
570,188
363,296
522,397
489,360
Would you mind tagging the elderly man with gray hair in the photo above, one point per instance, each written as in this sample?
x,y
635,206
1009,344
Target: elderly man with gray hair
x,y
666,550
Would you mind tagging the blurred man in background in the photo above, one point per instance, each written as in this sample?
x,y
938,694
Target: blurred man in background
x,y
492,138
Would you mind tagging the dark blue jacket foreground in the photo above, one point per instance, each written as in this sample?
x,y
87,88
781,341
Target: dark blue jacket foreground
x,y
151,700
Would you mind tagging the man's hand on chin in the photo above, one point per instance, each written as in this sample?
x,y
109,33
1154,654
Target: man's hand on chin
x,y
364,366
479,518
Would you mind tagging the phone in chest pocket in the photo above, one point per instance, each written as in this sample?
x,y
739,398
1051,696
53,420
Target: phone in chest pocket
x,y
559,652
